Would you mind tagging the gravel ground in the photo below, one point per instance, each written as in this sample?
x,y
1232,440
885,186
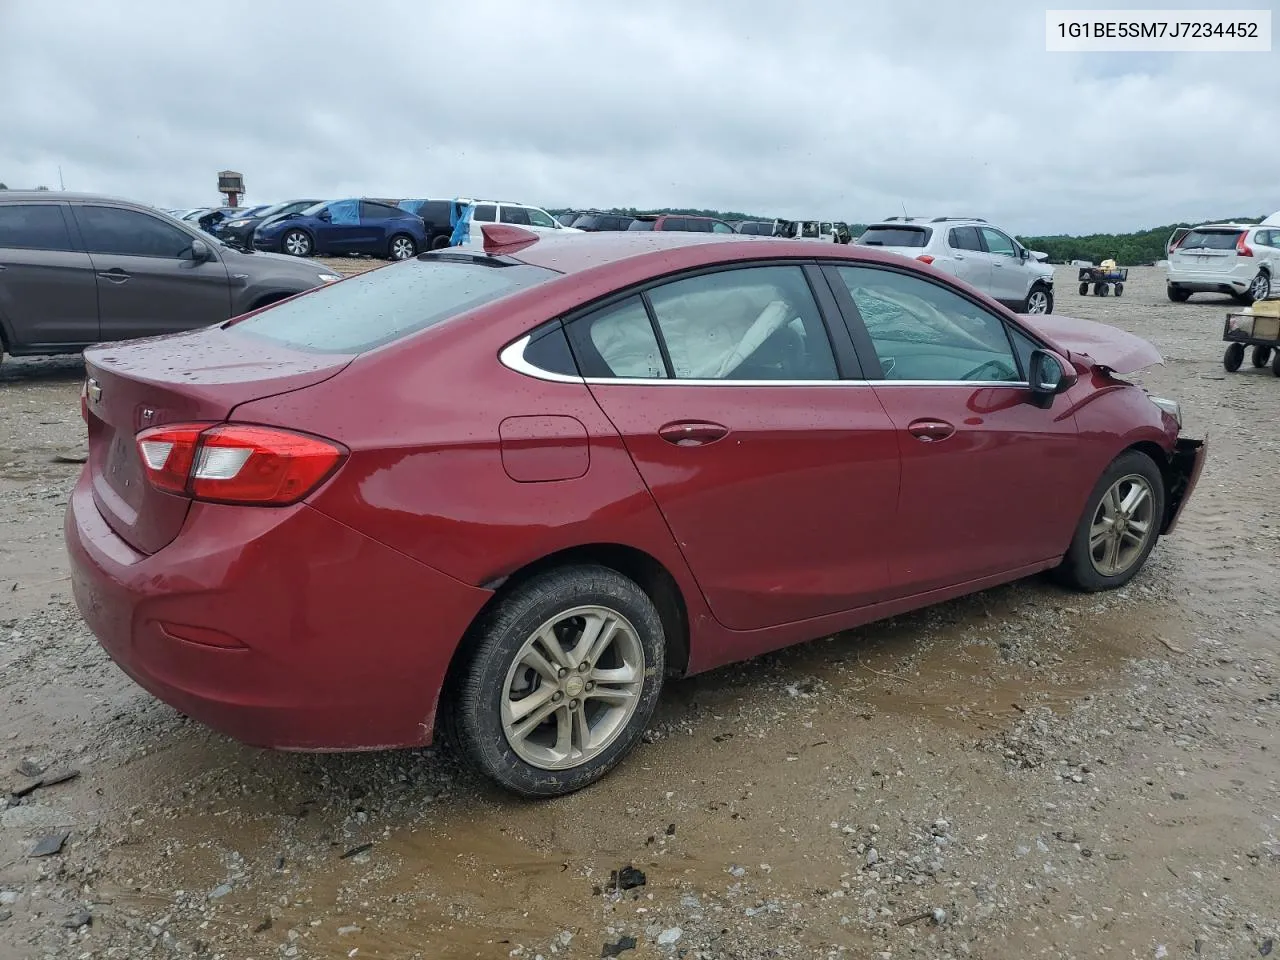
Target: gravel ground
x,y
1023,773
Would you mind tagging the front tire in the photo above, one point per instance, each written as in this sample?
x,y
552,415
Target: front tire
x,y
562,681
1176,293
297,243
1234,356
1119,527
1259,356
402,247
1039,300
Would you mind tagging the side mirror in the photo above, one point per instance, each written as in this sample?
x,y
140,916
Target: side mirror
x,y
1048,376
324,215
200,251
1024,254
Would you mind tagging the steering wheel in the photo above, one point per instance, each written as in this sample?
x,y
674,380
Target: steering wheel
x,y
998,364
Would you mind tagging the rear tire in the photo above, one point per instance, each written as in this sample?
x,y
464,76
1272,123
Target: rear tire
x,y
1119,289
440,242
1260,356
1176,293
1259,289
1275,363
505,668
1119,526
1084,289
1234,356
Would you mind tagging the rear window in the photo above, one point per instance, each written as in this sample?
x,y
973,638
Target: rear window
x,y
640,225
375,308
1210,240
896,236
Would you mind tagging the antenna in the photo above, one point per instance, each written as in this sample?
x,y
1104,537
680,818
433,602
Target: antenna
x,y
61,185
904,210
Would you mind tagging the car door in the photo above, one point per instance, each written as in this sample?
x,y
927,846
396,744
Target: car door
x,y
148,280
968,261
48,293
988,478
775,469
1007,275
338,228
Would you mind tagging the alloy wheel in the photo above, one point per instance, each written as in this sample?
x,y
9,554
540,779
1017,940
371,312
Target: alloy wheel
x,y
573,687
402,248
1260,289
1122,525
1038,302
296,244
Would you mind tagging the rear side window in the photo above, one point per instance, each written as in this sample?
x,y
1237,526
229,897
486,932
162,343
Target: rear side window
x,y
371,309
378,211
619,341
1210,240
896,236
675,223
964,238
129,233
33,226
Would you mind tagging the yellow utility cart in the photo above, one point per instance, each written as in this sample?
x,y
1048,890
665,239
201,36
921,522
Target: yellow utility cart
x,y
1257,326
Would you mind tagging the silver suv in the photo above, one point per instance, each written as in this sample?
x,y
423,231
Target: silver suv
x,y
971,250
1239,259
77,269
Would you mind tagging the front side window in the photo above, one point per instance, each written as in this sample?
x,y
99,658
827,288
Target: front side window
x,y
923,331
539,219
754,323
130,233
718,227
998,243
33,226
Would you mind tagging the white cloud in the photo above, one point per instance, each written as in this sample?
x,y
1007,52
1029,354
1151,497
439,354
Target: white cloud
x,y
832,109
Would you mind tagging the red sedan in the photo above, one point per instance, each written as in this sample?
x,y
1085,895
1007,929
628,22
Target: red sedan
x,y
503,494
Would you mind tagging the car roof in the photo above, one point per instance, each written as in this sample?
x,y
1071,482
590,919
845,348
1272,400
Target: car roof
x,y
581,252
55,195
1224,226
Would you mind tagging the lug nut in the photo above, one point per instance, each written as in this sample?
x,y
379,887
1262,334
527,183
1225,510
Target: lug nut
x,y
573,704
557,697
584,666
590,685
562,673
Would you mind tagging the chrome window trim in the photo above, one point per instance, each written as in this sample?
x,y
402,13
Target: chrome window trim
x,y
512,357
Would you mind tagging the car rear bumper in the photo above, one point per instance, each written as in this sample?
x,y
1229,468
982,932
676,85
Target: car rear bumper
x,y
1182,475
1199,281
279,627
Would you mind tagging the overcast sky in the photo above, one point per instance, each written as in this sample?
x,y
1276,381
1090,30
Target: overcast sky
x,y
809,109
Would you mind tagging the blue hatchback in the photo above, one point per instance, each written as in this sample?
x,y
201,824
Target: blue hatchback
x,y
345,226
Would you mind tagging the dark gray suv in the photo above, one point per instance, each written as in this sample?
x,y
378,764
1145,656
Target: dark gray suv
x,y
77,270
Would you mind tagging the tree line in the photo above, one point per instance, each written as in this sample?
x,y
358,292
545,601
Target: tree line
x,y
1127,249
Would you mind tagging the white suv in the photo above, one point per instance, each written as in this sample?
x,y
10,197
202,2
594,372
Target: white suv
x,y
971,250
517,214
1235,258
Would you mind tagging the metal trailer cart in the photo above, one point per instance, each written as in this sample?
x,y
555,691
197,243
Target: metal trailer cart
x,y
1102,280
1257,330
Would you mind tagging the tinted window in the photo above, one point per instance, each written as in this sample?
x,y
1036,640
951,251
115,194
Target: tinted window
x,y
718,227
370,309
695,225
550,351
33,226
619,342
435,211
129,233
620,223
378,211
1022,346
516,215
585,221
964,238
538,218
641,225
998,243
485,212
1268,238
895,236
922,331
757,323
1210,240
675,223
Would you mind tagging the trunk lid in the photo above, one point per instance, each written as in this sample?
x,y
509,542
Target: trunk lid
x,y
1207,251
188,377
1097,344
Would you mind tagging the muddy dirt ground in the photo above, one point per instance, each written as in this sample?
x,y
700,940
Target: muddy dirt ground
x,y
1024,773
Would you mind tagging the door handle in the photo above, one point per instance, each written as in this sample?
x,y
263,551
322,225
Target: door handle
x,y
930,431
115,275
692,433
958,256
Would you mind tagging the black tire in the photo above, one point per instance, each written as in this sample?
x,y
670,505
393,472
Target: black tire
x,y
1275,363
1100,289
1259,289
1033,296
1078,568
476,704
402,247
1119,289
440,242
1084,288
1259,356
300,240
1234,356
1176,293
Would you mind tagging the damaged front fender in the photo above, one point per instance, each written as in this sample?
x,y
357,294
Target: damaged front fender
x,y
1181,474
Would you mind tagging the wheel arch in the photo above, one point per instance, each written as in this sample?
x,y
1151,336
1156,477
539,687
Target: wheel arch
x,y
648,573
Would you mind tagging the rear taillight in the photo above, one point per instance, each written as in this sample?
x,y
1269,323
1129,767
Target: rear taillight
x,y
236,462
1242,248
925,258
